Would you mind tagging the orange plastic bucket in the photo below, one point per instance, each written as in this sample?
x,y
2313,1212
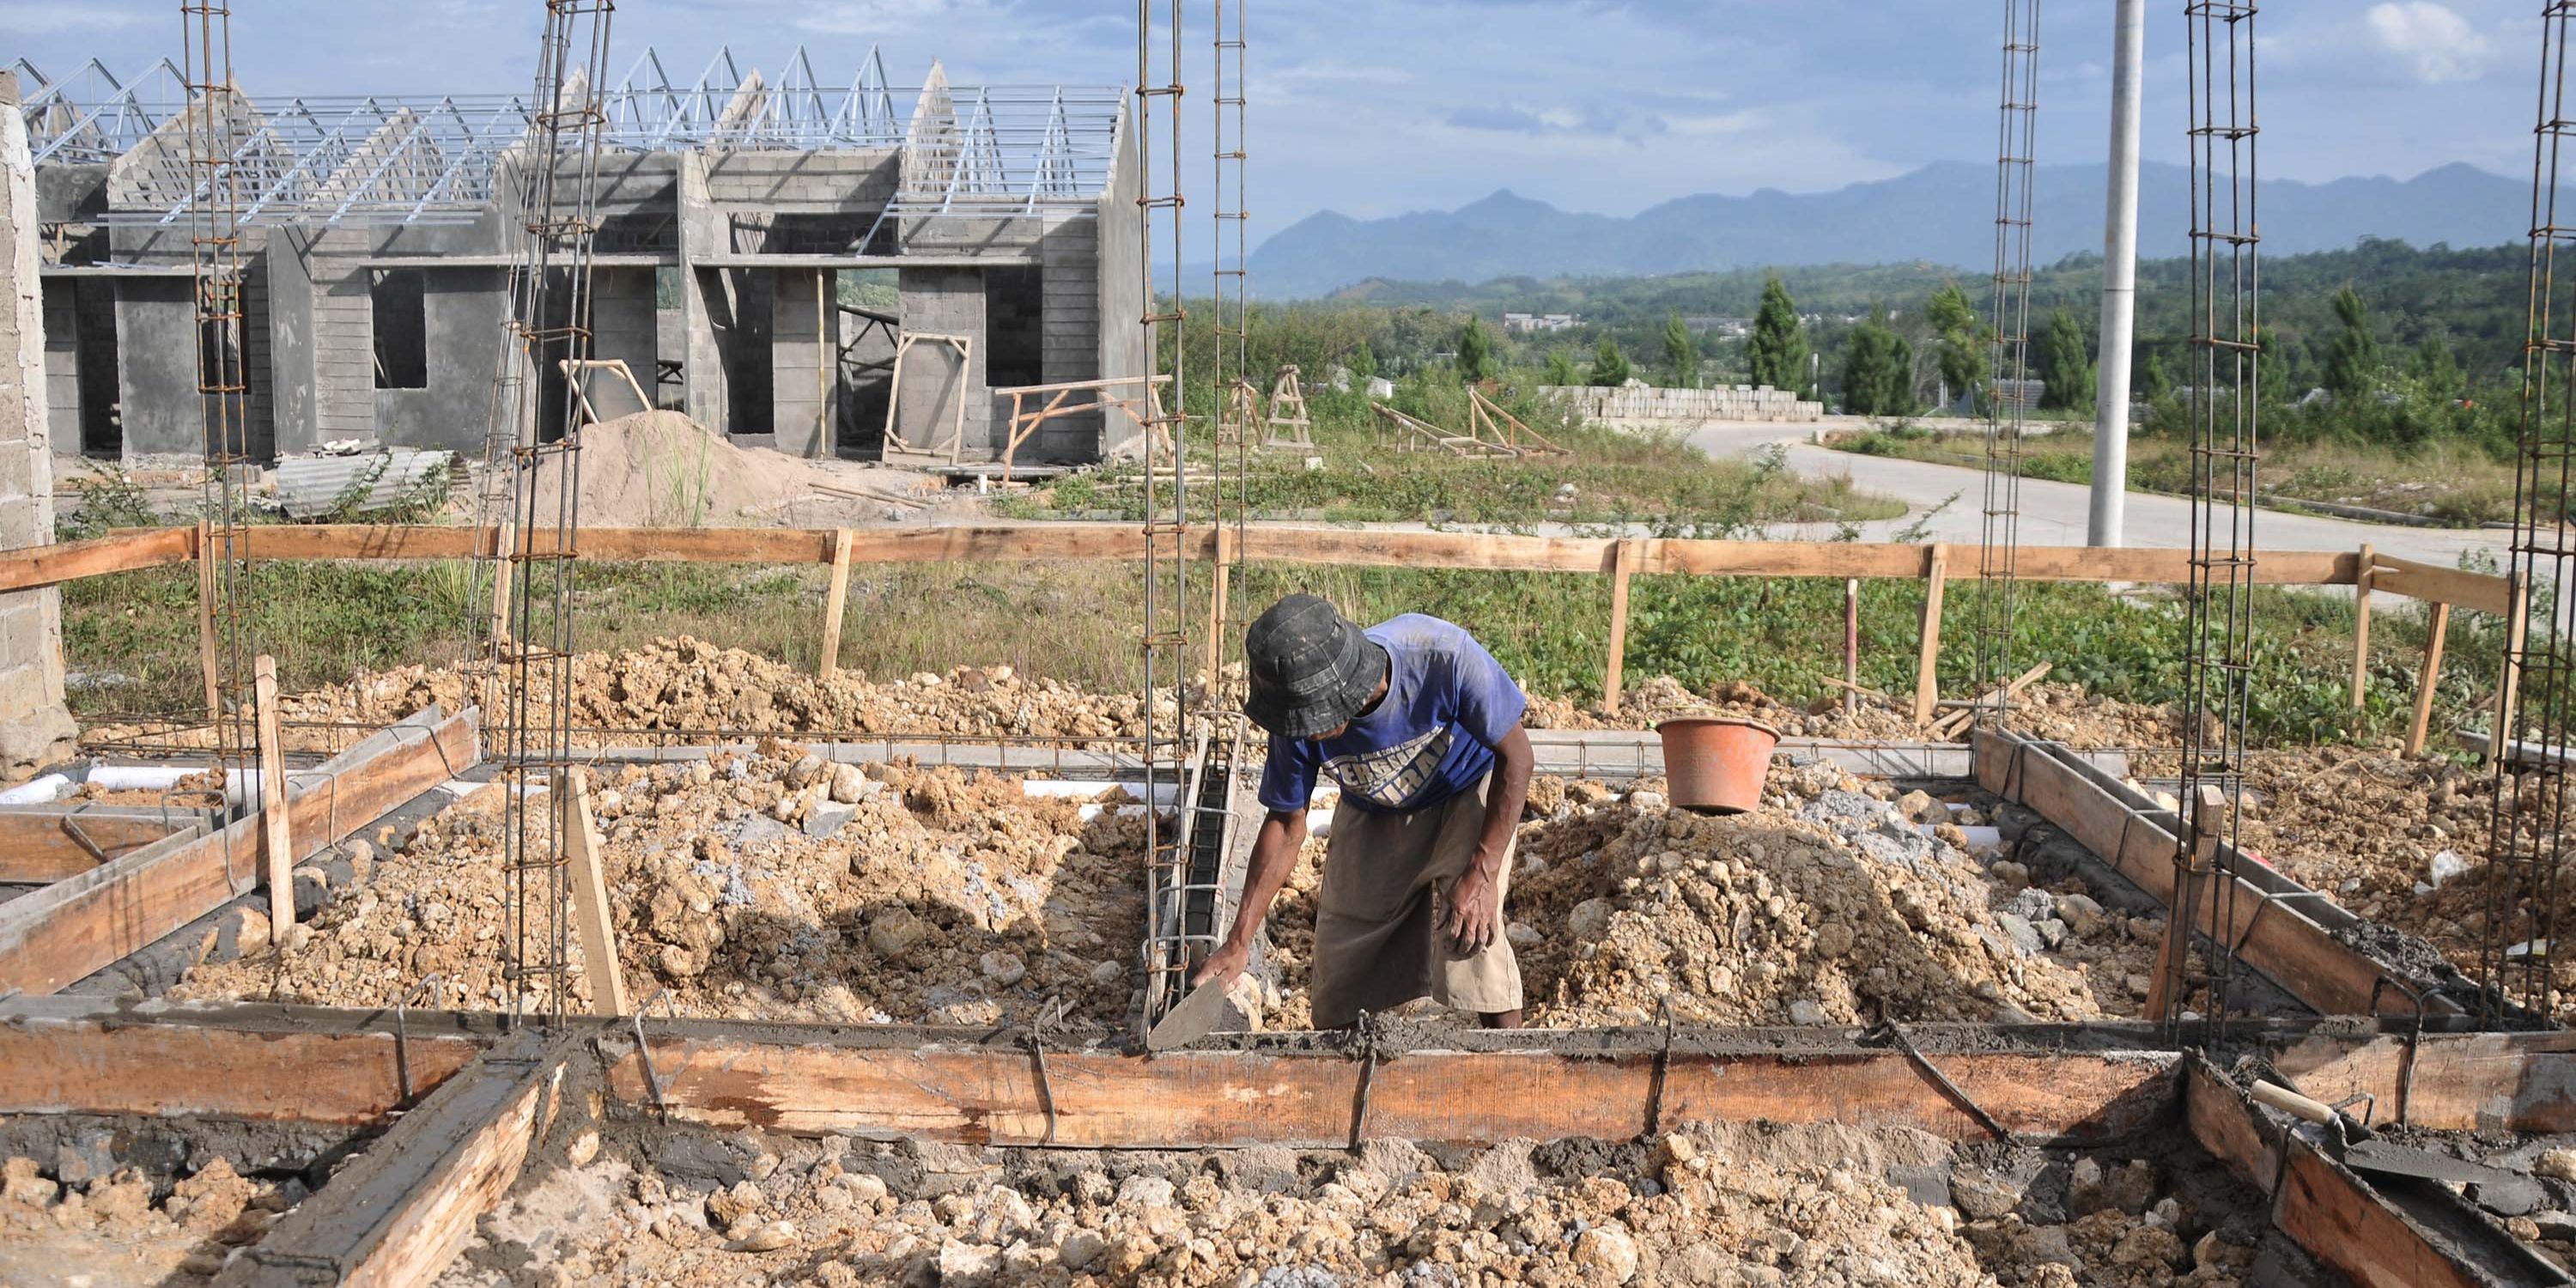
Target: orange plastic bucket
x,y
1717,763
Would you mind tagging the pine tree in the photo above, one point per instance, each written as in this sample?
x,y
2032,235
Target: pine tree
x,y
1609,366
2153,383
1878,370
1963,351
1363,363
1475,353
1560,369
1778,348
1681,352
2352,360
2065,365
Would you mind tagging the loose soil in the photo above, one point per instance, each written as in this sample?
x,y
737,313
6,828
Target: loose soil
x,y
88,1219
660,469
1710,1205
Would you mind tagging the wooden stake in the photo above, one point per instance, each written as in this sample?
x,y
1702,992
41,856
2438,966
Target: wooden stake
x,y
590,895
2361,629
1927,673
2517,634
836,602
1220,587
2439,633
1851,644
206,620
1623,562
2183,912
505,568
272,802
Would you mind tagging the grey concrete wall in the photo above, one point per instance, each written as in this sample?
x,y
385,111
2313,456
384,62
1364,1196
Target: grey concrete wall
x,y
1123,348
62,364
295,409
36,729
622,323
804,182
804,376
466,310
1070,259
943,301
703,296
156,366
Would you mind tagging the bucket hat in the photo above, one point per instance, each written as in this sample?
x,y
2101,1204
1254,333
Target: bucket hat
x,y
1311,669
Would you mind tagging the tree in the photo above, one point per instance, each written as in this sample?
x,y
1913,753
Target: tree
x,y
1475,353
2066,365
1778,348
1609,366
1961,348
2271,368
1363,363
1681,352
1878,370
2352,360
1560,369
2436,370
2153,383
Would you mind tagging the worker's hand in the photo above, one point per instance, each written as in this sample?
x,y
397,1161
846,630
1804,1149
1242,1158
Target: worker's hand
x,y
1224,964
1475,912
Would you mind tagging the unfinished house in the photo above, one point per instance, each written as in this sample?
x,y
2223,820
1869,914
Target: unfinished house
x,y
845,272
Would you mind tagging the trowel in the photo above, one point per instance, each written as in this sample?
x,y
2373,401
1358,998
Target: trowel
x,y
1197,1016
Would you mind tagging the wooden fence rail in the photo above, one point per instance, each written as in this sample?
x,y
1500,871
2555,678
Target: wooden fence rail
x,y
1618,559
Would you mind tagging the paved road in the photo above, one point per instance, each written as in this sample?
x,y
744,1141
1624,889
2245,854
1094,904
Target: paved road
x,y
2055,513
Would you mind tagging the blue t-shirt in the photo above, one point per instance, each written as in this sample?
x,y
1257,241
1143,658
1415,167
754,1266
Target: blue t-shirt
x,y
1447,704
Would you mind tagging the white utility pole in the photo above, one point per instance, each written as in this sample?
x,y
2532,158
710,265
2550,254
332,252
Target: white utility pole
x,y
2119,279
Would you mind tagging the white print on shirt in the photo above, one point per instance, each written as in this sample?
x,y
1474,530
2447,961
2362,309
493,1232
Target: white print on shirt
x,y
1390,776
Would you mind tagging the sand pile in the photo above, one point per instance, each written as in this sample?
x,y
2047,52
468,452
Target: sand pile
x,y
660,469
768,886
1710,1206
83,1218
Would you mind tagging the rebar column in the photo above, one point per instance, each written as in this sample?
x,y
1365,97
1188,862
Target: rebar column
x,y
1999,550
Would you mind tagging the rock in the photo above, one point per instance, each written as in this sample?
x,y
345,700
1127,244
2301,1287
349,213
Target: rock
x,y
1648,802
1805,1012
2023,935
1079,1249
1702,1265
867,1187
2153,1246
2556,1164
1589,920
895,933
1109,974
966,1262
1011,1208
851,785
729,1208
1919,807
2010,875
1608,1253
764,1236
1144,1192
1003,967
1982,1195
2081,913
585,1147
240,930
20,1182
827,820
1523,935
1833,940
78,1162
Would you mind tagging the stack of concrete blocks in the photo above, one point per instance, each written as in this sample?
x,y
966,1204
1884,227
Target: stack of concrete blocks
x,y
36,729
1643,405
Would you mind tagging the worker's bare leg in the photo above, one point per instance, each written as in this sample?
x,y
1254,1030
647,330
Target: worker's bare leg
x,y
1510,1019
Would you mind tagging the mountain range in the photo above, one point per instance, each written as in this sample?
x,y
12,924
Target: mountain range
x,y
1941,214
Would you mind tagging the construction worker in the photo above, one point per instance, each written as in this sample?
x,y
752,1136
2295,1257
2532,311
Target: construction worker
x,y
1421,729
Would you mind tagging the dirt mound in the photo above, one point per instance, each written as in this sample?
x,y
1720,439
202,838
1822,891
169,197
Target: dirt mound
x,y
660,469
769,886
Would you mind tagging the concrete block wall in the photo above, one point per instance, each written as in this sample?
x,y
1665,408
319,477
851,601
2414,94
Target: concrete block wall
x,y
804,378
622,329
465,312
703,296
156,366
1123,350
1069,257
943,301
36,728
1741,402
804,182
62,364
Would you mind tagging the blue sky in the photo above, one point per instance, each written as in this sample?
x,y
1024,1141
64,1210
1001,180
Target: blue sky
x,y
1375,108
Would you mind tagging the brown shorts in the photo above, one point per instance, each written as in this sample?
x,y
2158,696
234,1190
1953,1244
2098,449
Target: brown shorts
x,y
1377,920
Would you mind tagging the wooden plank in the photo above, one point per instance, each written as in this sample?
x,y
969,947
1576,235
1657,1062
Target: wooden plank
x,y
2227,1126
197,1064
1307,1100
1927,663
277,845
71,929
366,541
2485,1082
2476,591
590,898
834,602
2273,937
2361,630
2517,631
38,848
2342,1223
399,1213
121,551
2437,635
1624,558
1844,559
207,667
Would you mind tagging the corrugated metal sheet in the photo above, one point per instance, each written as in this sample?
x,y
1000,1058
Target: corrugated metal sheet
x,y
312,487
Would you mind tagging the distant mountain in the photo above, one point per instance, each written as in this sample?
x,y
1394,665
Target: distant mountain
x,y
1942,214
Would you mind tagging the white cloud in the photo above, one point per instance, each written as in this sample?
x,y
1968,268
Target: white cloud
x,y
34,19
2433,42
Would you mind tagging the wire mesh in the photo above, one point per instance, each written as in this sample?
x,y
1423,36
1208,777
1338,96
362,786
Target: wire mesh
x,y
2226,409
1999,550
533,476
2529,753
223,397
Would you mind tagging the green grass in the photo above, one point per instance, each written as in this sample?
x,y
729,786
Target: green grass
x,y
132,640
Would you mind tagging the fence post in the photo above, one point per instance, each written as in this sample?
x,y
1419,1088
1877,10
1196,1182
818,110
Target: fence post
x,y
272,801
2434,638
835,602
1851,643
1220,588
1927,674
2361,626
1623,562
206,620
2517,628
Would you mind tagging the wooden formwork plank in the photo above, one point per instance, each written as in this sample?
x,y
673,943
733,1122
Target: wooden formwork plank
x,y
399,1213
1195,1099
2273,937
2517,1082
2225,1124
39,846
120,551
72,929
110,1064
2478,592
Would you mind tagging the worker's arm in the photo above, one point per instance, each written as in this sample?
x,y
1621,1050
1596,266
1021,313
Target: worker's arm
x,y
1274,855
1475,911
